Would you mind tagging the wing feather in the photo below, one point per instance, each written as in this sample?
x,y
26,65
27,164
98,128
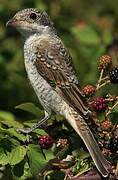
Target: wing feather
x,y
54,63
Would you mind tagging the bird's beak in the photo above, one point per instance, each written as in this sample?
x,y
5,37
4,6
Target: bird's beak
x,y
11,22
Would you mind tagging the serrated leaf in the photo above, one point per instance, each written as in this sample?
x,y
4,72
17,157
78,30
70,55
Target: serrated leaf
x,y
9,119
6,146
86,35
17,155
13,133
36,158
31,108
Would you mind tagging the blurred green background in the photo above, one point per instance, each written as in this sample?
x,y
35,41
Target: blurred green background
x,y
87,27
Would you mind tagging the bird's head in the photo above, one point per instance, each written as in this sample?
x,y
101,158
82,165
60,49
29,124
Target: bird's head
x,y
31,20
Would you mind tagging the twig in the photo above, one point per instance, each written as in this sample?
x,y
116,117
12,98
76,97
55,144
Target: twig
x,y
100,79
104,78
101,75
111,109
100,86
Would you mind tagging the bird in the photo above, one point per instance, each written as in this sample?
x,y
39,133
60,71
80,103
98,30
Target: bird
x,y
53,77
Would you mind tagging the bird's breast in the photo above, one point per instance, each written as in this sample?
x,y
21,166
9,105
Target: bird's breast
x,y
47,96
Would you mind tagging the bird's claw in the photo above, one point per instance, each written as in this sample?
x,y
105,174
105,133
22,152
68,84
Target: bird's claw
x,y
24,131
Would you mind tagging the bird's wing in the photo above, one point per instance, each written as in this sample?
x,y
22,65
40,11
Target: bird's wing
x,y
54,64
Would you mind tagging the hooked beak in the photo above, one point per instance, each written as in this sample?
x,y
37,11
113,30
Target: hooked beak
x,y
12,22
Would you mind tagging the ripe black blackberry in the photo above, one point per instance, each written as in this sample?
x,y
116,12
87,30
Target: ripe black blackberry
x,y
113,75
113,144
45,142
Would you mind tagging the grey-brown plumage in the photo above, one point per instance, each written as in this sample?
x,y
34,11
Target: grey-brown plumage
x,y
52,75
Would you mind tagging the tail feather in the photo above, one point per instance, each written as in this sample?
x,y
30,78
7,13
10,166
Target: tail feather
x,y
80,126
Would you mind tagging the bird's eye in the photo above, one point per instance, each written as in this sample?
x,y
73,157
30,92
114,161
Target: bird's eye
x,y
33,16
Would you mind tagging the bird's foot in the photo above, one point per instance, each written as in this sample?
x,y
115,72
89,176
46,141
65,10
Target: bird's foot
x,y
29,130
25,131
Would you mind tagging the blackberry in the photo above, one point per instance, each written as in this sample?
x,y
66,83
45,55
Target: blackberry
x,y
62,143
113,144
99,104
113,75
106,125
45,142
89,90
104,62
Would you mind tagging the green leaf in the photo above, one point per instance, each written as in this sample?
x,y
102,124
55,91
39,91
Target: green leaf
x,y
9,119
21,171
40,132
81,154
17,155
36,158
30,107
86,35
84,168
49,155
3,157
6,146
13,133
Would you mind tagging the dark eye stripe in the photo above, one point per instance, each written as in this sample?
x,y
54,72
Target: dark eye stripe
x,y
33,16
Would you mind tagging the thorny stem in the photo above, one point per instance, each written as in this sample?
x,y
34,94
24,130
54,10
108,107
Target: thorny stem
x,y
111,109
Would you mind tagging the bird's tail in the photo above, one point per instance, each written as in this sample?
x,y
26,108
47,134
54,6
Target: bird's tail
x,y
80,126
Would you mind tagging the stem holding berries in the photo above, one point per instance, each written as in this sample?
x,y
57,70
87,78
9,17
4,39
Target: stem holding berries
x,y
111,109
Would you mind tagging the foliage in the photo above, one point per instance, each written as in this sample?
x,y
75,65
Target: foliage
x,y
89,30
24,159
87,34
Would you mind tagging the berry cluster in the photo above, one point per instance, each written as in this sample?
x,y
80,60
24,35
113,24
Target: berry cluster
x,y
99,104
45,142
113,75
104,61
89,90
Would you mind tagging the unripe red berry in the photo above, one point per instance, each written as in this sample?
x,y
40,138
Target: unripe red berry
x,y
89,90
62,142
106,125
104,61
99,104
45,142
